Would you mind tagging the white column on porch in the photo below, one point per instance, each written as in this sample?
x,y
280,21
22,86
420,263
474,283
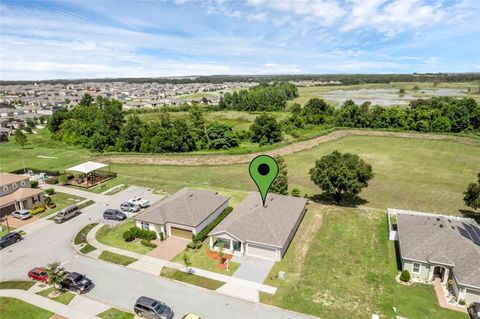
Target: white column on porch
x,y
430,273
242,248
211,243
231,245
445,277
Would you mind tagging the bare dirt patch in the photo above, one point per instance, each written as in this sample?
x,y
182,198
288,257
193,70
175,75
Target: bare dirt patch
x,y
200,160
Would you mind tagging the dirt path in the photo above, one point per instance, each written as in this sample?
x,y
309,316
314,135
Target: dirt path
x,y
198,160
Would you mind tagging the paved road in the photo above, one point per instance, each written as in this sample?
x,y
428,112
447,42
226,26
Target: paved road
x,y
116,285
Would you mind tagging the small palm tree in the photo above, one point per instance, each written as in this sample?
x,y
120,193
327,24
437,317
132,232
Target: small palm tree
x,y
221,254
186,261
56,275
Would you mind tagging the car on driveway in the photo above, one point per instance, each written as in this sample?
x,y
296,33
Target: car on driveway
x,y
140,202
67,213
76,282
474,310
38,274
152,309
129,207
114,214
9,239
22,214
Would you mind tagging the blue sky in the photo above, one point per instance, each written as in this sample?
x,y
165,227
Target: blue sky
x,y
96,39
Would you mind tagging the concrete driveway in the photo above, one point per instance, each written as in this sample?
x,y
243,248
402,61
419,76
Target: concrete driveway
x,y
253,269
168,248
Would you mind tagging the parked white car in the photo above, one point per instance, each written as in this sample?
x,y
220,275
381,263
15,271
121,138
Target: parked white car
x,y
142,203
22,214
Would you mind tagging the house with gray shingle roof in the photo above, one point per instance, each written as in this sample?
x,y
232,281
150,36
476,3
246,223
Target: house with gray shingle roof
x,y
439,247
184,213
254,230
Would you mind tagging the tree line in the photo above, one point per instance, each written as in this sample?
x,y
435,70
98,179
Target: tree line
x,y
264,97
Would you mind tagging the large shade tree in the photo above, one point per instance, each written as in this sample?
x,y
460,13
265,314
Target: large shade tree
x,y
341,173
472,194
280,184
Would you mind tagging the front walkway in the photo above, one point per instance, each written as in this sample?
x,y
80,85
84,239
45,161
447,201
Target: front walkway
x,y
442,300
236,287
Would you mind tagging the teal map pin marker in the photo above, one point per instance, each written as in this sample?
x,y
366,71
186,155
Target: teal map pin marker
x,y
263,170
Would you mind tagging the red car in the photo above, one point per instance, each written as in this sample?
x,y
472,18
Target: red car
x,y
38,274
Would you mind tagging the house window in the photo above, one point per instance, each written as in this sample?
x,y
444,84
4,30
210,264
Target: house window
x,y
145,226
416,268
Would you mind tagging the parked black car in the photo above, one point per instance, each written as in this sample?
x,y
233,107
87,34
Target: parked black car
x,y
9,239
474,310
76,282
114,214
152,309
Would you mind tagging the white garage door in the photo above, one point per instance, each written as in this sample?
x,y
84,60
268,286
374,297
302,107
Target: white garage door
x,y
261,251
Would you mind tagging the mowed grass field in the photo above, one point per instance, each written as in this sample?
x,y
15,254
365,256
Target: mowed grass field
x,y
348,271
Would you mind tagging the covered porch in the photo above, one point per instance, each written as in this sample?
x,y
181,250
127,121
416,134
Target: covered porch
x,y
447,290
91,174
230,245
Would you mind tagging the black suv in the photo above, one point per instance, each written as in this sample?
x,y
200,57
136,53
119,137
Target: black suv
x,y
76,282
9,239
152,309
474,310
114,214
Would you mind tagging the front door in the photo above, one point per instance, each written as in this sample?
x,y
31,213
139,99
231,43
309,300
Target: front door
x,y
439,272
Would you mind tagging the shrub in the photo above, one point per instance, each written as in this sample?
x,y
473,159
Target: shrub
x,y
461,302
162,236
148,243
34,184
62,179
295,192
50,191
191,245
128,236
200,237
405,276
38,204
143,233
37,210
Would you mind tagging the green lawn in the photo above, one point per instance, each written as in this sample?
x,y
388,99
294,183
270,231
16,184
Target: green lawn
x,y
113,236
349,272
81,236
65,296
62,200
191,279
116,258
12,308
114,313
17,284
199,259
87,249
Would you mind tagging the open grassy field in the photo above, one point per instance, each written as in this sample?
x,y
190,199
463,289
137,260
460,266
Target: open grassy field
x,y
349,271
425,90
113,236
12,308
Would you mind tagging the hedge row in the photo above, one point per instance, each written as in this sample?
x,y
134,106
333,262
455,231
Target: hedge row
x,y
136,232
201,236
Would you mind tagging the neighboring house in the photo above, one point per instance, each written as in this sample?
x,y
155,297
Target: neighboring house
x,y
186,212
437,246
15,193
265,232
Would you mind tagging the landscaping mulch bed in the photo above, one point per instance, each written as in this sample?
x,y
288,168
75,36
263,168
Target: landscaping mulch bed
x,y
214,255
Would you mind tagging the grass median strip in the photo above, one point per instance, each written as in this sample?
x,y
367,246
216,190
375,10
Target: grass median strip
x,y
87,203
65,296
17,284
14,308
81,236
191,279
116,258
114,313
87,249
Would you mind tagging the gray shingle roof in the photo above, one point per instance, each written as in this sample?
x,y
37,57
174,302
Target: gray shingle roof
x,y
422,238
270,225
186,207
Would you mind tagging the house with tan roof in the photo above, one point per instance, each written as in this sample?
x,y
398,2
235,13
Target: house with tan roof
x,y
16,193
439,248
184,213
252,229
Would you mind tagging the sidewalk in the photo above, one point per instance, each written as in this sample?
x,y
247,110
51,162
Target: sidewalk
x,y
77,192
50,305
236,287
